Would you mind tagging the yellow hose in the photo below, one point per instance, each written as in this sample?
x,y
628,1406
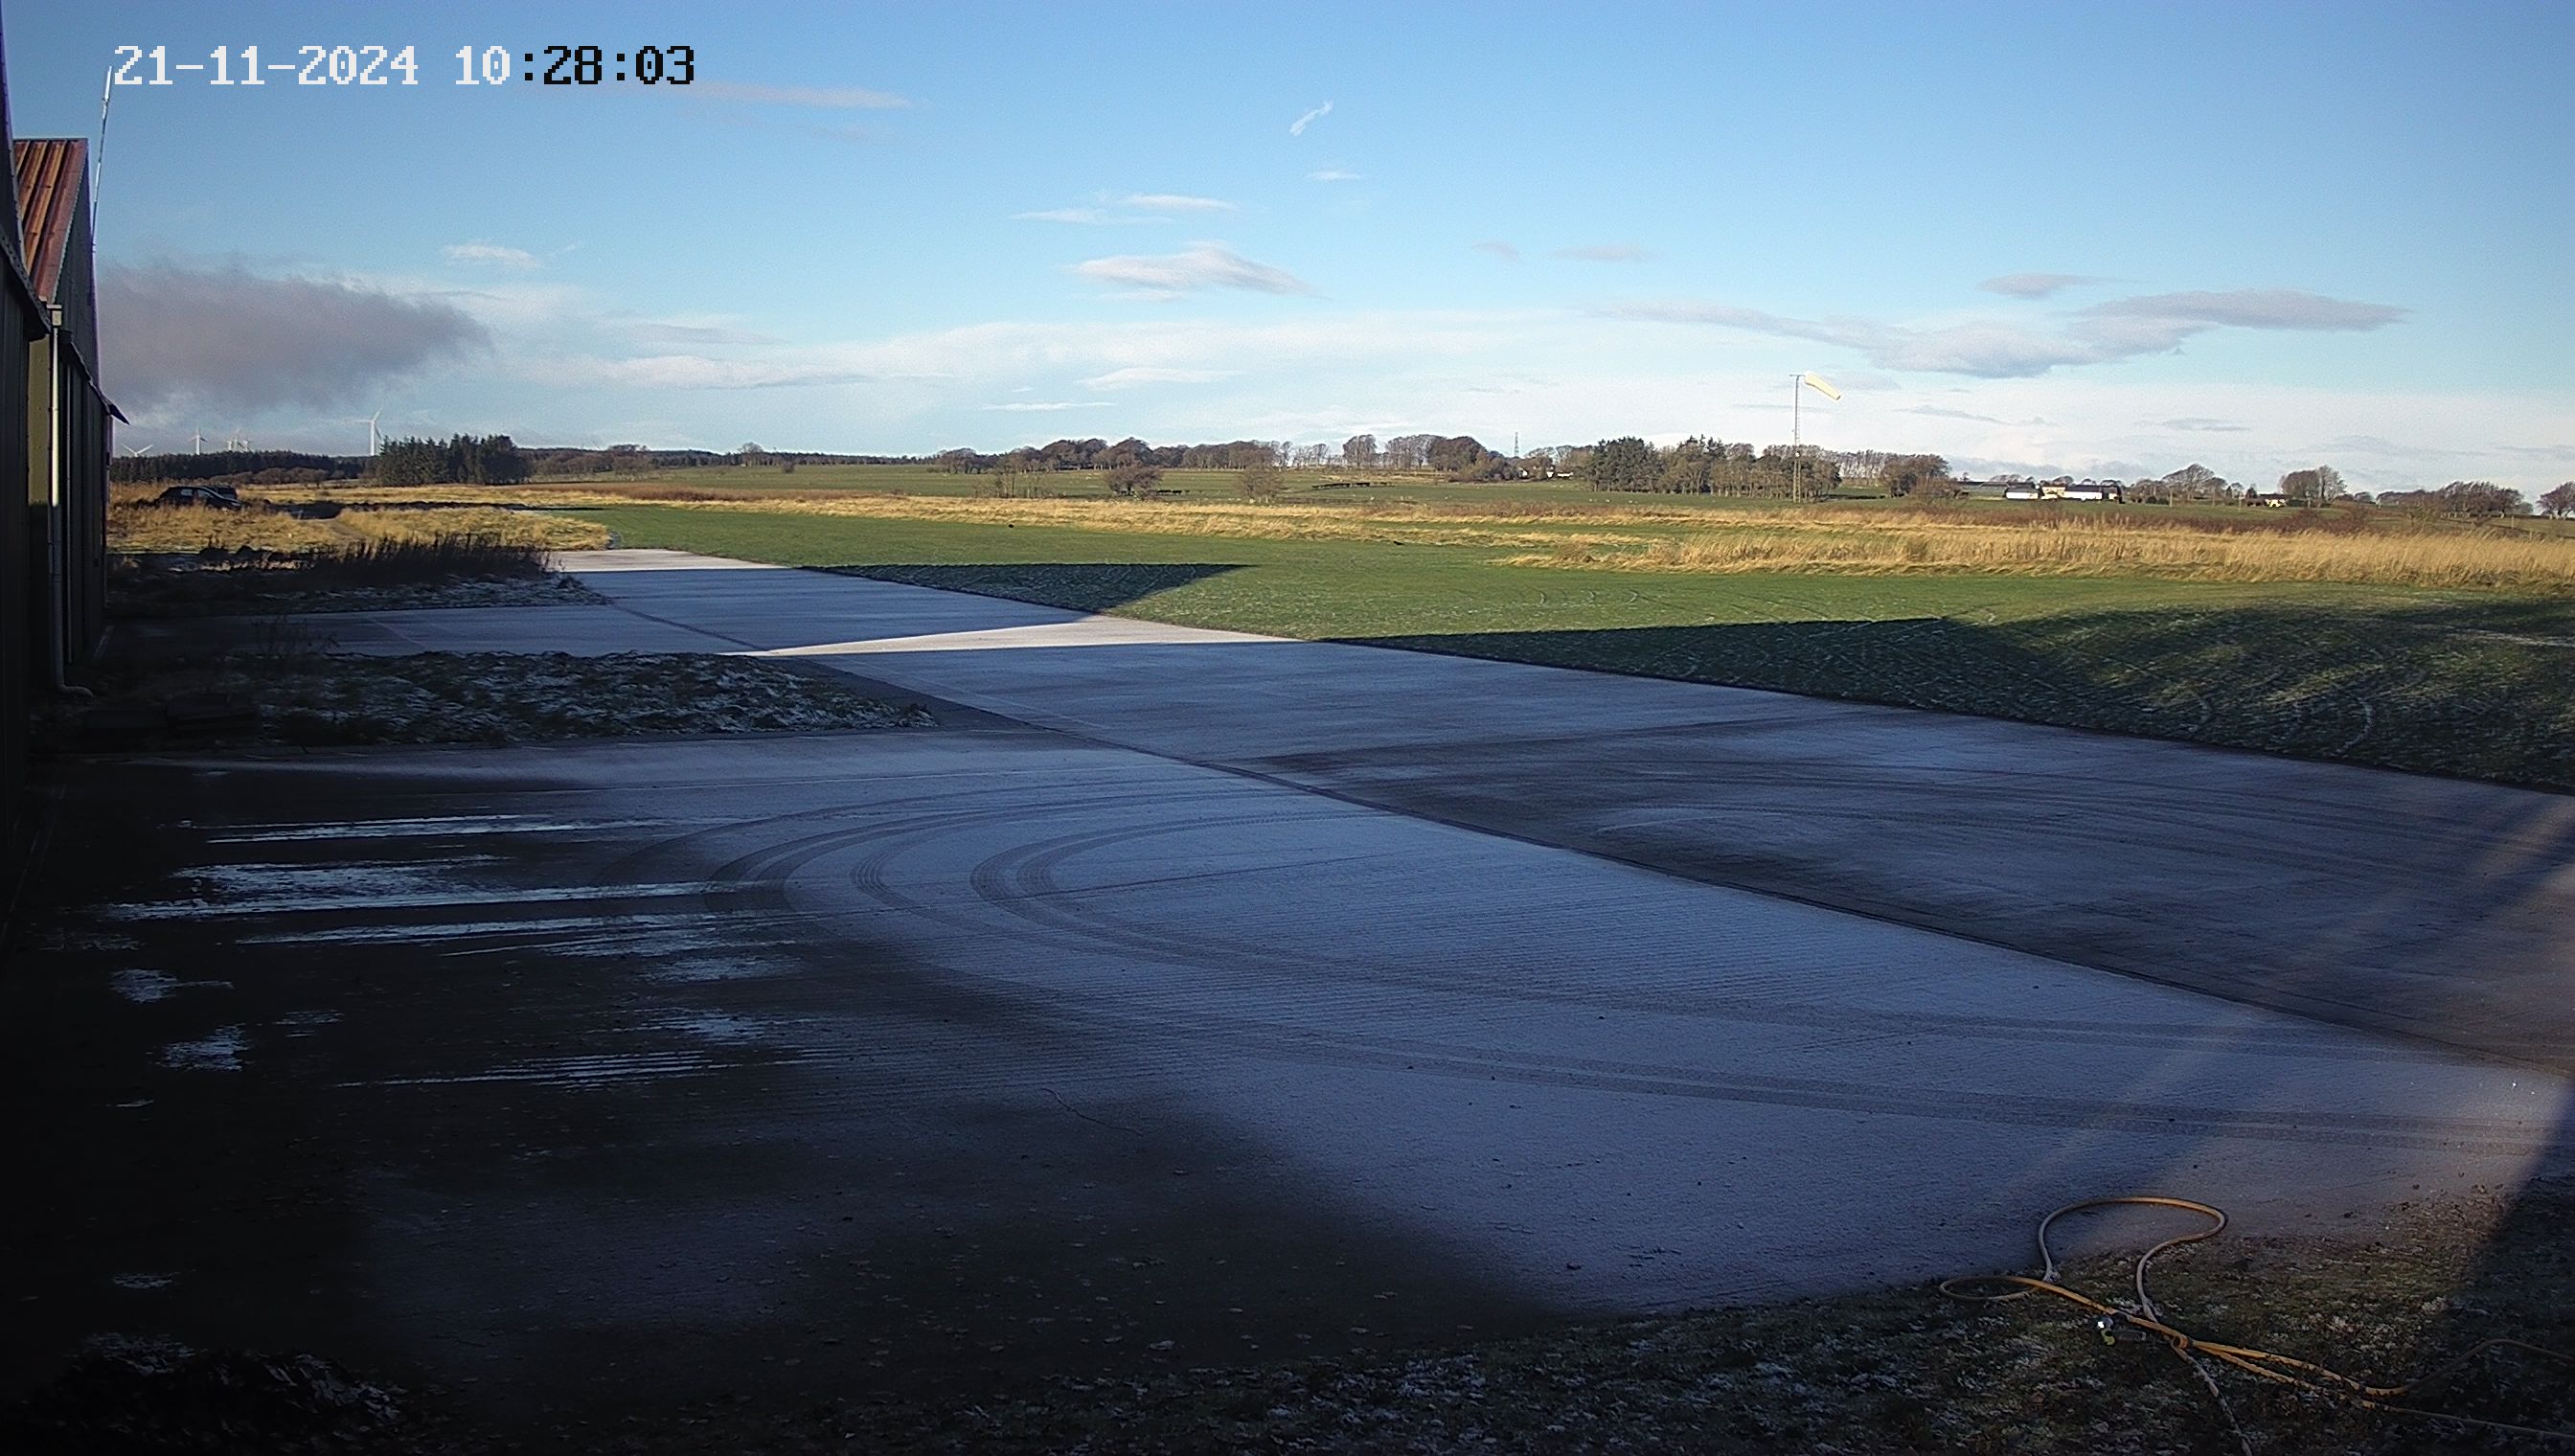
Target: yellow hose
x,y
2148,1321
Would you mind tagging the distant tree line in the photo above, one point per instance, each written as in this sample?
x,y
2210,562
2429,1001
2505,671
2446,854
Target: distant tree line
x,y
479,460
2464,497
232,464
1459,457
609,460
1095,453
553,460
1699,465
1702,466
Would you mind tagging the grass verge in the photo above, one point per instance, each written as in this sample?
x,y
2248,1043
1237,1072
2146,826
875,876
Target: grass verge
x,y
287,697
2469,683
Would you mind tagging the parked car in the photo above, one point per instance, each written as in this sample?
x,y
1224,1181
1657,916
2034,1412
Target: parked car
x,y
222,498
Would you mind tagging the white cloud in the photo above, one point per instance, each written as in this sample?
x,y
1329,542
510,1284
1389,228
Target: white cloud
x,y
1146,206
825,98
2250,308
1602,252
562,369
1501,250
493,253
1175,201
2035,284
1034,407
1119,379
695,372
1081,216
700,330
1297,127
1994,348
1333,174
1202,265
2199,424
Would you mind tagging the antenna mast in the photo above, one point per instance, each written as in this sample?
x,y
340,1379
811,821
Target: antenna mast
x,y
98,158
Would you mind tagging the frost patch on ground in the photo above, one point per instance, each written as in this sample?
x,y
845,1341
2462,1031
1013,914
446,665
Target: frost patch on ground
x,y
143,986
301,698
231,590
61,939
220,1052
146,987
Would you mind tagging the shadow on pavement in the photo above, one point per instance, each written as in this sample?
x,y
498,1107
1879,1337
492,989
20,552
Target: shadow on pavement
x,y
1075,585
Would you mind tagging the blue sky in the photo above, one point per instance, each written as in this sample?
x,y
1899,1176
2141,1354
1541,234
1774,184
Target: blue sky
x,y
2096,238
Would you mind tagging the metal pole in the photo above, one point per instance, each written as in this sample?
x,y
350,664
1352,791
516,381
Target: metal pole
x,y
1796,439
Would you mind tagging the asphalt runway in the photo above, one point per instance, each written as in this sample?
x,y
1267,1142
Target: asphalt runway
x,y
1169,1019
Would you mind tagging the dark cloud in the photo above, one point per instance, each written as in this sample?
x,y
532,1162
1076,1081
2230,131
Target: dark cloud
x,y
223,338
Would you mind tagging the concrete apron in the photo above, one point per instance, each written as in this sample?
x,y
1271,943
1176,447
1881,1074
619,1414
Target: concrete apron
x,y
605,1076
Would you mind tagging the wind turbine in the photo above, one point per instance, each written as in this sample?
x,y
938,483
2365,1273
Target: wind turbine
x,y
370,423
135,450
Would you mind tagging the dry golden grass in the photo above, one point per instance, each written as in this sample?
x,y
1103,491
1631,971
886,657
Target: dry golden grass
x,y
132,525
2457,558
1418,525
1644,536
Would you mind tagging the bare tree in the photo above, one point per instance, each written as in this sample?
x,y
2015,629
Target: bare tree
x,y
1132,480
2313,488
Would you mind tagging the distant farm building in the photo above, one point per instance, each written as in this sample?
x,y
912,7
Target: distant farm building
x,y
2067,490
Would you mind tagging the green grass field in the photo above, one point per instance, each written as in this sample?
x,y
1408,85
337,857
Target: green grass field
x,y
2473,684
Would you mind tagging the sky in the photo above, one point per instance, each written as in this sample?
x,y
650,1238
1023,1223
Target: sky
x,y
2101,239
